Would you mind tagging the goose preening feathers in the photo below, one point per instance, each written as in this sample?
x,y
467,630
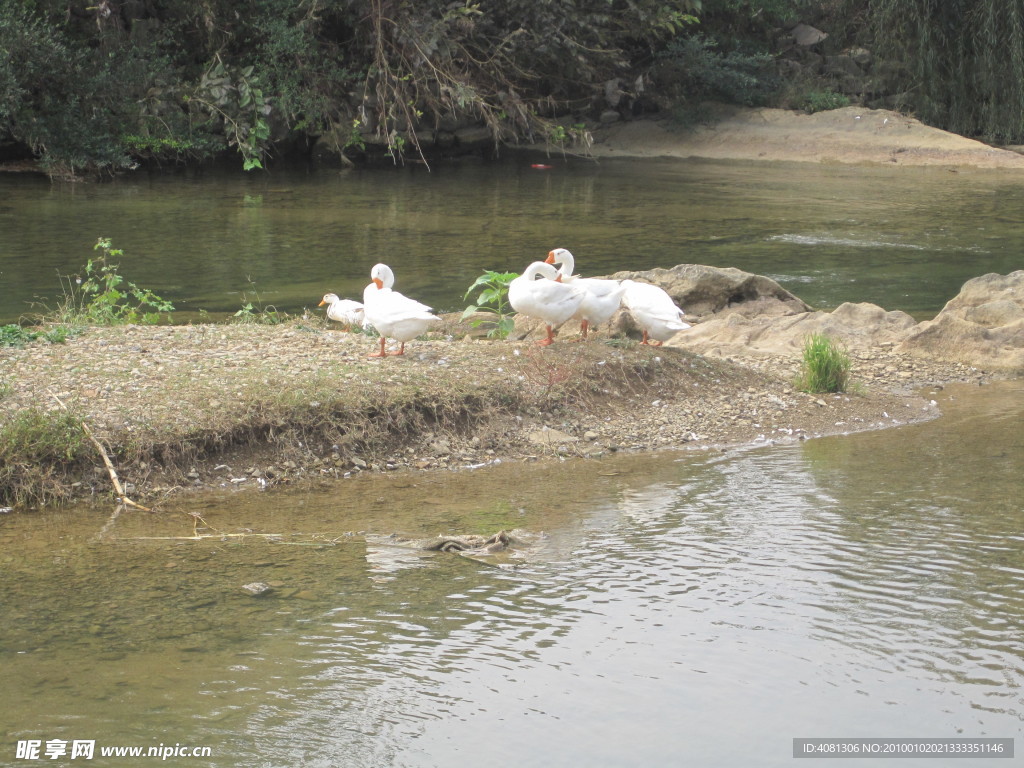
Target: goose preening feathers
x,y
394,315
654,311
540,294
602,297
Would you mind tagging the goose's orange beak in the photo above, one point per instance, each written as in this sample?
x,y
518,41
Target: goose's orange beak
x,y
379,283
558,277
551,258
322,302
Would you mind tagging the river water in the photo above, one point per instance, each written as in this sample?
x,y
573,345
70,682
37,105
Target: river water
x,y
700,608
902,238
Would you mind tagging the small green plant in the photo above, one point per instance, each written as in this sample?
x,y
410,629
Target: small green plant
x,y
254,311
825,367
102,296
823,101
492,299
15,336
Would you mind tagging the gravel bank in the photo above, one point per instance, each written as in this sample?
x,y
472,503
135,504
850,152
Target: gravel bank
x,y
242,406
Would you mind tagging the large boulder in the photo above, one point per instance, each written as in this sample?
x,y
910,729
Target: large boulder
x,y
983,325
855,326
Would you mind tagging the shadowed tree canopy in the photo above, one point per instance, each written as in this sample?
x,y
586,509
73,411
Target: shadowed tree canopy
x,y
101,85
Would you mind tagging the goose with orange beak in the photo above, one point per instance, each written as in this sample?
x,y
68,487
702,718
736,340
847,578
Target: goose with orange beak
x,y
602,298
540,293
344,311
394,315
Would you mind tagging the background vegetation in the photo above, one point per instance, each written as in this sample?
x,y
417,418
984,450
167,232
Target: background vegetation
x,y
103,85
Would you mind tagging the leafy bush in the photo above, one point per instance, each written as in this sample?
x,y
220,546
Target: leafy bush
x,y
102,296
493,299
825,367
823,101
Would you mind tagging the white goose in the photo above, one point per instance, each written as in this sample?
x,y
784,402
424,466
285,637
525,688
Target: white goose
x,y
547,299
602,298
394,315
344,311
654,311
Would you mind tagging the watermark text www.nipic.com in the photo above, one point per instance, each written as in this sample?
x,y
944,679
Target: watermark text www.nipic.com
x,y
87,749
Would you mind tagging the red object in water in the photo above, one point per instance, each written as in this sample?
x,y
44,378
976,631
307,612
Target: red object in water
x,y
540,166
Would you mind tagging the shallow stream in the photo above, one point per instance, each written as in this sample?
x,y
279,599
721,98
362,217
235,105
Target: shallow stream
x,y
902,238
703,608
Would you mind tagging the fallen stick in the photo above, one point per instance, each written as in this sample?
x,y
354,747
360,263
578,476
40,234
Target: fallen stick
x,y
122,497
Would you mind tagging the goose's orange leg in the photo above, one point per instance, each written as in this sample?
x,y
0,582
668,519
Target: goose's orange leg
x,y
382,352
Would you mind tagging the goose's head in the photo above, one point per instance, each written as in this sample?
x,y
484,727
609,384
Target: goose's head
x,y
329,298
382,276
558,256
563,257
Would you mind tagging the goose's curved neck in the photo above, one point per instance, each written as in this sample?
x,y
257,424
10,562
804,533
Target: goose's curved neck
x,y
540,268
564,257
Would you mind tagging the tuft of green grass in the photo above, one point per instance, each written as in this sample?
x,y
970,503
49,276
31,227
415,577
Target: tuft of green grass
x,y
825,366
255,312
38,451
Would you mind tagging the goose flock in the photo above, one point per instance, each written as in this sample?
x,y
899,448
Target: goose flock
x,y
542,292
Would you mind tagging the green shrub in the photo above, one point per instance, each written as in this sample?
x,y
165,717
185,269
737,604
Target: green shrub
x,y
695,69
823,101
493,299
825,367
102,296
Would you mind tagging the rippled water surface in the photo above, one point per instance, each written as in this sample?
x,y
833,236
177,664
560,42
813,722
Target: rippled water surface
x,y
902,238
688,609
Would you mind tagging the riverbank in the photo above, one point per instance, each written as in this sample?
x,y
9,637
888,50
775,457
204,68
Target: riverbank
x,y
851,135
250,406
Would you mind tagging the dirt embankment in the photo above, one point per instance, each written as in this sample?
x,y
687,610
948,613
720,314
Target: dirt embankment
x,y
849,135
246,406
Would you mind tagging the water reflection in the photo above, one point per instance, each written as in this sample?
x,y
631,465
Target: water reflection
x,y
701,608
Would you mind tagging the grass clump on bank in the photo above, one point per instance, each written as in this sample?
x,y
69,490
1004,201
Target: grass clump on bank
x,y
825,367
39,452
14,335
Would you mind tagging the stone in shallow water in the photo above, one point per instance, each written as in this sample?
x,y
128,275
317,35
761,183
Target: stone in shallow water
x,y
257,588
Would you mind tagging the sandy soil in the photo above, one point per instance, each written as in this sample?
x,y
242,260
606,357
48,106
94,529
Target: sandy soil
x,y
848,135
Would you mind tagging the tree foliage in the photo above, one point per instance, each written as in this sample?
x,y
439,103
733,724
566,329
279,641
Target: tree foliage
x,y
962,62
102,86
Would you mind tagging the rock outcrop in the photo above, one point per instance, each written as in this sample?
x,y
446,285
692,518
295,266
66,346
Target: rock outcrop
x,y
856,326
740,315
703,291
983,325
